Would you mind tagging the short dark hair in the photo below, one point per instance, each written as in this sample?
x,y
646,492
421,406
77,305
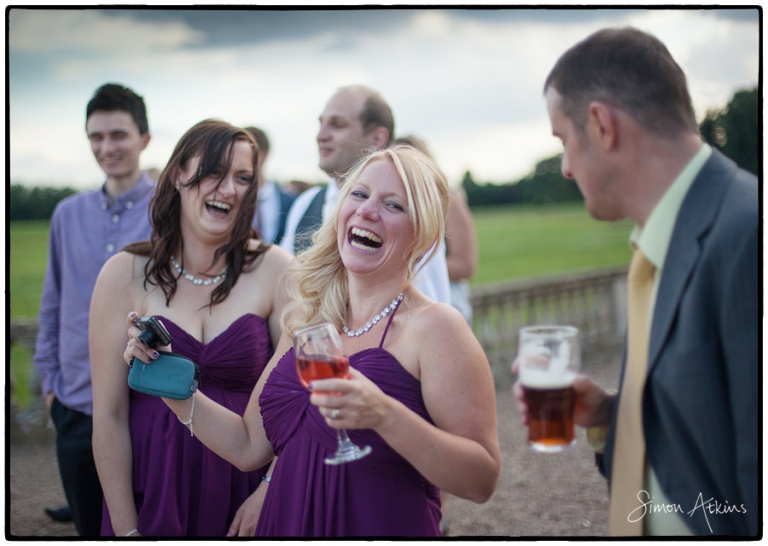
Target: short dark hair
x,y
628,69
377,113
261,139
113,96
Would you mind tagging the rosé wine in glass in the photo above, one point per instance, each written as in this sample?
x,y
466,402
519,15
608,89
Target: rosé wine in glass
x,y
319,354
312,367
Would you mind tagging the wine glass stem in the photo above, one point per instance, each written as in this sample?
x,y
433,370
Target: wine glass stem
x,y
341,435
346,451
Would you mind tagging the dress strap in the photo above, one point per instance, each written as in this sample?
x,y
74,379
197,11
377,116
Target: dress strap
x,y
391,316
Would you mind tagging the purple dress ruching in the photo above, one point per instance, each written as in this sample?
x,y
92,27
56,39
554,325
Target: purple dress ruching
x,y
181,487
379,495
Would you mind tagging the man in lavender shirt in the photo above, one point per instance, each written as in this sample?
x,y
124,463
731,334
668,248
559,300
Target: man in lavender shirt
x,y
86,230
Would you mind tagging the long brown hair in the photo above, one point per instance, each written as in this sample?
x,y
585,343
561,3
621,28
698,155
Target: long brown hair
x,y
211,141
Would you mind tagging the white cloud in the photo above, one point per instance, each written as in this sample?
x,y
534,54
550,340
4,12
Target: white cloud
x,y
500,152
93,33
470,88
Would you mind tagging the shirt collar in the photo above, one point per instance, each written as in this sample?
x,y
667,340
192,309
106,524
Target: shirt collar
x,y
266,190
126,200
333,189
653,239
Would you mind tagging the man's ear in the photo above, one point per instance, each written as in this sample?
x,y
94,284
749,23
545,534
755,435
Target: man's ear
x,y
378,138
145,138
602,125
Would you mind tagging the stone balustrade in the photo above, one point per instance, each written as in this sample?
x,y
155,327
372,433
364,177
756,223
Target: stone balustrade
x,y
594,302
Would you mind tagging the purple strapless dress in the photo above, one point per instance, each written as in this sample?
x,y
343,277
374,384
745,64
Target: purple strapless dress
x,y
181,487
379,495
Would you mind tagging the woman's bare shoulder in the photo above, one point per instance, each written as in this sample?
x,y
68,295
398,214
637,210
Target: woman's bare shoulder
x,y
275,262
439,325
274,255
431,317
269,272
124,266
428,323
280,256
120,284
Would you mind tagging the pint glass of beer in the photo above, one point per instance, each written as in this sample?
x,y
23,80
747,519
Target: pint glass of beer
x,y
548,360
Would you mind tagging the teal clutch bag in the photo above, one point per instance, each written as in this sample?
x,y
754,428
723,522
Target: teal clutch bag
x,y
170,376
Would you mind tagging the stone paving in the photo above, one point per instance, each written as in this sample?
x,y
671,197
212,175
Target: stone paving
x,y
538,495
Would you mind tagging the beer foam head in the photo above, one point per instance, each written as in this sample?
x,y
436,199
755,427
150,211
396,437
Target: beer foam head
x,y
549,356
546,378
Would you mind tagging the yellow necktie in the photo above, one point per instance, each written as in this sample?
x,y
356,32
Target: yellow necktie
x,y
629,447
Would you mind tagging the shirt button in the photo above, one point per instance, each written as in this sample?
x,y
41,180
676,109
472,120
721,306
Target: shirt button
x,y
110,247
115,218
104,205
129,205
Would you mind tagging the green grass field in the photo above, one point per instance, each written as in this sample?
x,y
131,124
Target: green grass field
x,y
525,242
28,258
514,243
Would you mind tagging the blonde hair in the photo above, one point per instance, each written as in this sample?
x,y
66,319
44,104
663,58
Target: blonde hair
x,y
317,279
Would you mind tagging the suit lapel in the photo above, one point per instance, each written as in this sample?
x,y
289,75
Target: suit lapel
x,y
697,213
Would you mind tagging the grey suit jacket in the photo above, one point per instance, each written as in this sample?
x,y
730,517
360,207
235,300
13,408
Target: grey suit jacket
x,y
700,402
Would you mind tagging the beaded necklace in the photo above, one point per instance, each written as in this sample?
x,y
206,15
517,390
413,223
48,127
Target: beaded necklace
x,y
195,280
377,318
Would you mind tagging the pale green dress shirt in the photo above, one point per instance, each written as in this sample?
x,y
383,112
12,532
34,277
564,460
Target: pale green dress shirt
x,y
653,239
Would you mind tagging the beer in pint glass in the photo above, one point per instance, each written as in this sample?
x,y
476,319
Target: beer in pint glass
x,y
549,359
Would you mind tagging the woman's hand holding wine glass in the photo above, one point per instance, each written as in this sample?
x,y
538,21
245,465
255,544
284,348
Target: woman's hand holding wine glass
x,y
319,354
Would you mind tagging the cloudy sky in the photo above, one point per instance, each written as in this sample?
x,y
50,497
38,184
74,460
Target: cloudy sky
x,y
467,81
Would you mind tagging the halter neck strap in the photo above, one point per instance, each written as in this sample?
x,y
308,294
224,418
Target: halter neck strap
x,y
391,316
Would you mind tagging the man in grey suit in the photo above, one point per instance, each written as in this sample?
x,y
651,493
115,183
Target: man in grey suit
x,y
620,105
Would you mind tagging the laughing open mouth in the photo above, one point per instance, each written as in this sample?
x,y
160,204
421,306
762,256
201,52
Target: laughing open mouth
x,y
218,206
364,239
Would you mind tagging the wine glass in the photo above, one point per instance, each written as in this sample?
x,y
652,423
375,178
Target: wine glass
x,y
319,354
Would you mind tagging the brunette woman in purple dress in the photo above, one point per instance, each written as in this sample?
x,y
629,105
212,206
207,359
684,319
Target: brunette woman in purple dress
x,y
419,391
216,289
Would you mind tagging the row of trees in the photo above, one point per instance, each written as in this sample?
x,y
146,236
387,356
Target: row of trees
x,y
34,203
544,185
735,130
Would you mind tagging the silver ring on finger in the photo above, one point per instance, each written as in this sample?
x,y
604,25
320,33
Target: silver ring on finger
x,y
335,414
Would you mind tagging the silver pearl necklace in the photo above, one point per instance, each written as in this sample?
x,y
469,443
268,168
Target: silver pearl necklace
x,y
190,277
391,307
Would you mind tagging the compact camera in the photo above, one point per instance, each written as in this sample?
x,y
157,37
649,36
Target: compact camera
x,y
153,332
